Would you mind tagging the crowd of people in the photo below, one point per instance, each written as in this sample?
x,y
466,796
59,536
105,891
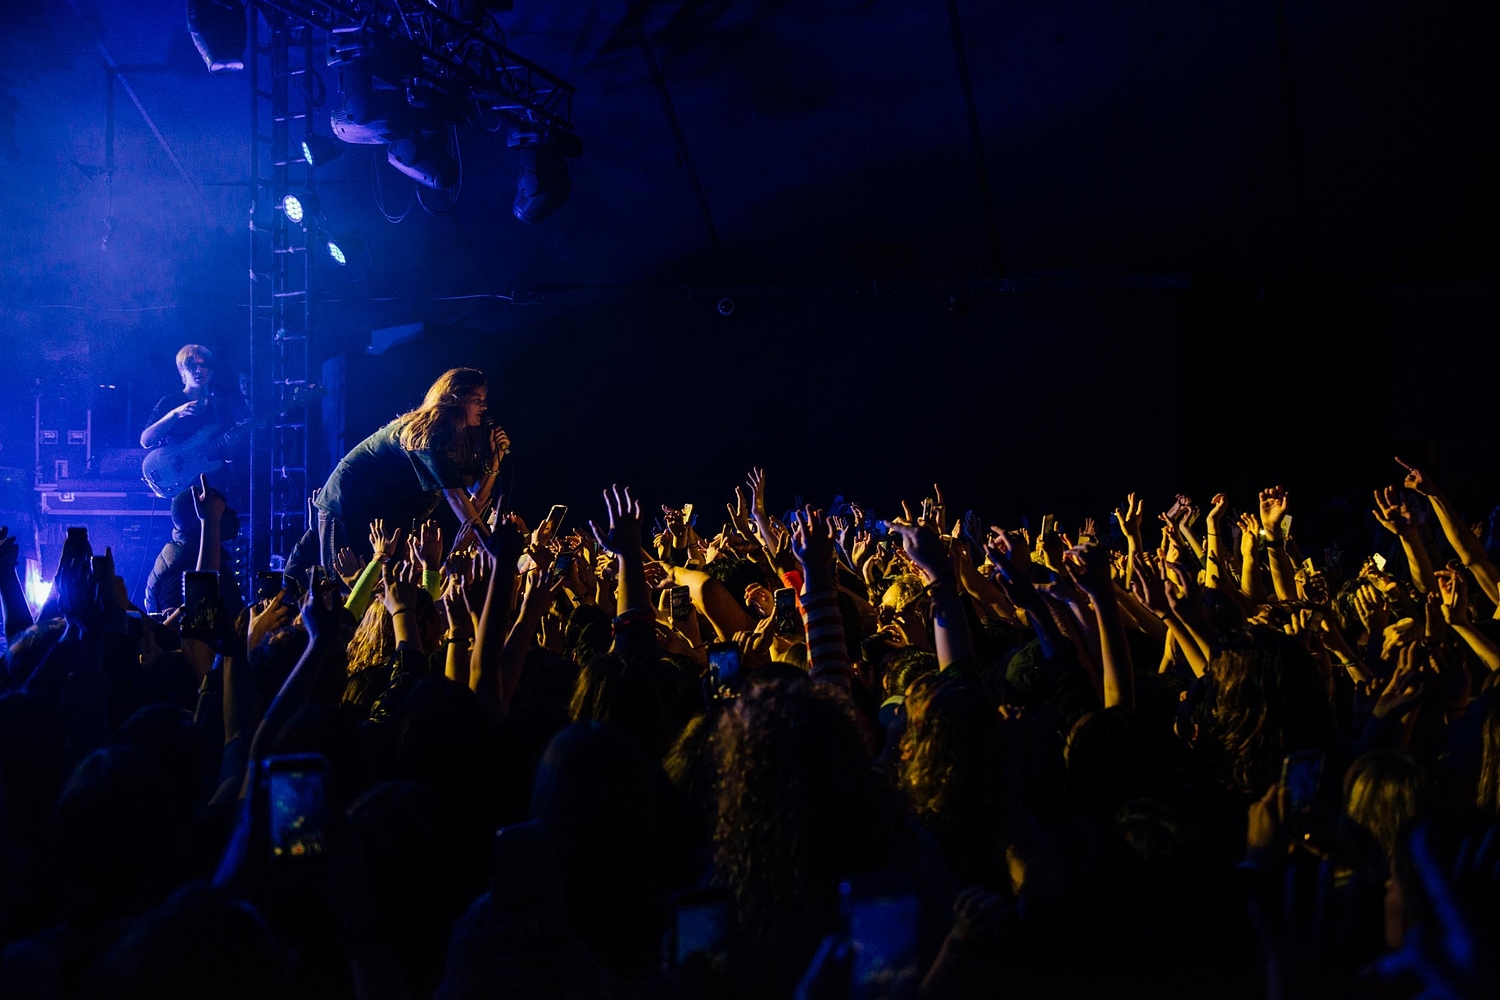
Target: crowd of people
x,y
816,755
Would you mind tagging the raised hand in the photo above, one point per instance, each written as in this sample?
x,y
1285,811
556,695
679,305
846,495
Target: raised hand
x,y
812,541
10,550
860,550
1392,512
1087,565
1404,690
757,483
400,592
1129,518
924,547
348,565
739,513
477,584
506,541
1374,613
1417,480
499,443
208,503
386,545
1454,590
777,538
759,600
1049,545
430,546
1150,585
460,616
1273,507
939,510
624,532
676,524
266,617
1249,534
1217,512
85,590
541,593
321,614
1178,513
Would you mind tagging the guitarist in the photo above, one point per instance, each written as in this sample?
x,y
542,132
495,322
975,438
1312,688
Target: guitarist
x,y
178,416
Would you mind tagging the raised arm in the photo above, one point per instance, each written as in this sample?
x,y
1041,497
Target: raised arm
x,y
541,592
1018,589
813,547
1129,519
635,618
208,504
429,554
1393,515
15,614
1088,567
1215,525
320,616
385,547
504,545
1468,546
1273,507
712,599
1250,583
1456,612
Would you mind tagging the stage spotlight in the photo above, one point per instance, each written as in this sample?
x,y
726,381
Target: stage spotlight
x,y
300,205
426,159
369,112
219,32
544,181
543,185
347,250
319,149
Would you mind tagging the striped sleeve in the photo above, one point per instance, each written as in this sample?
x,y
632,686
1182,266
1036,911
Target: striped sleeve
x,y
827,655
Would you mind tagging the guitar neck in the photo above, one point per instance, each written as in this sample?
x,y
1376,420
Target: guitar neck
x,y
238,434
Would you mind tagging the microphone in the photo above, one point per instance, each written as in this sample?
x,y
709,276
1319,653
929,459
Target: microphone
x,y
487,424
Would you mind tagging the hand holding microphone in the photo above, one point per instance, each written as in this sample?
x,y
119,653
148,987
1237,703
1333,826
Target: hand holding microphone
x,y
499,440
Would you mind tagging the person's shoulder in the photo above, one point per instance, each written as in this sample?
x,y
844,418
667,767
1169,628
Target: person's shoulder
x,y
381,441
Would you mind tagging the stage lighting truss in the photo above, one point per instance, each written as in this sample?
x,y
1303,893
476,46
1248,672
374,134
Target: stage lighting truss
x,y
438,61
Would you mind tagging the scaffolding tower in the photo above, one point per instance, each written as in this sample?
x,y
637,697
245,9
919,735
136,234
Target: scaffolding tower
x,y
284,90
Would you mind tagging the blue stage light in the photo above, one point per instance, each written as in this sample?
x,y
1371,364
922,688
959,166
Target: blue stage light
x,y
300,205
319,149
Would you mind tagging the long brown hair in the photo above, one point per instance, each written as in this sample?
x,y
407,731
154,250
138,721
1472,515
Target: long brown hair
x,y
438,424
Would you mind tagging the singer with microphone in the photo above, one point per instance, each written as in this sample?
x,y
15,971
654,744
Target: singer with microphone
x,y
447,449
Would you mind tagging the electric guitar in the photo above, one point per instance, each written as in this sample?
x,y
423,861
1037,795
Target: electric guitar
x,y
172,468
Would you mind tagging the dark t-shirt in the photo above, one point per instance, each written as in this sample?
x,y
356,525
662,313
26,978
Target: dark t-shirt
x,y
379,478
224,411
